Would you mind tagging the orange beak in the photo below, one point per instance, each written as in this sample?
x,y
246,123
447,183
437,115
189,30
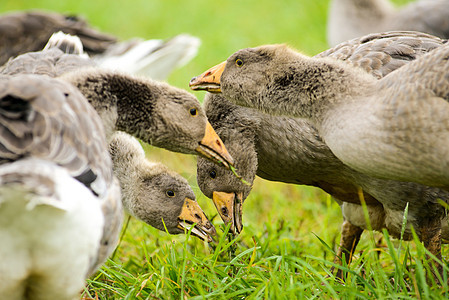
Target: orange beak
x,y
209,80
213,148
229,207
191,214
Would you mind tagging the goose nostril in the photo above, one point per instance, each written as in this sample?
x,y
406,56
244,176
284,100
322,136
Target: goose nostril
x,y
224,211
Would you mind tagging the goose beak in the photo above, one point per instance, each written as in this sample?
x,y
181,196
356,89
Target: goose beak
x,y
209,80
192,216
229,206
212,147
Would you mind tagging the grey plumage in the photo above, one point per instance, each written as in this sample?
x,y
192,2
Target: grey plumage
x,y
381,53
37,115
369,124
153,193
348,19
23,32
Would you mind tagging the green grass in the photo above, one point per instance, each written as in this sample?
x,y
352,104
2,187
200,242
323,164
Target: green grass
x,y
291,232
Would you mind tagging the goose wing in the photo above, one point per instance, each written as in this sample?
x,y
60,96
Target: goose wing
x,y
49,119
382,53
23,32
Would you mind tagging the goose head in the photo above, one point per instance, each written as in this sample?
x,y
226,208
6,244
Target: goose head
x,y
278,80
183,126
153,193
227,191
167,202
247,73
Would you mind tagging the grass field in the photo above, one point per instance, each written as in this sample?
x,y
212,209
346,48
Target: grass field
x,y
291,232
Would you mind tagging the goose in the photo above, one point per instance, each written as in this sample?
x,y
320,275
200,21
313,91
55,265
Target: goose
x,y
388,128
152,111
348,19
254,138
60,206
378,54
28,31
154,194
314,87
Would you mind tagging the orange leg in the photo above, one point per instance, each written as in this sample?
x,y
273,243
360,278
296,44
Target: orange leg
x,y
350,237
431,237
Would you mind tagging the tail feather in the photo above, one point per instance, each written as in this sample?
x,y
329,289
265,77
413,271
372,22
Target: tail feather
x,y
427,74
67,43
152,58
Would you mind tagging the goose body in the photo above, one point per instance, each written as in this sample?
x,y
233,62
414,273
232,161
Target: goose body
x,y
155,112
290,150
399,131
51,228
350,19
60,205
29,31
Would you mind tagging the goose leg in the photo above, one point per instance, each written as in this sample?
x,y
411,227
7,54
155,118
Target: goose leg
x,y
350,237
431,237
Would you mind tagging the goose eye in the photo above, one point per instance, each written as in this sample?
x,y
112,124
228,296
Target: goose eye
x,y
213,174
170,193
193,111
238,62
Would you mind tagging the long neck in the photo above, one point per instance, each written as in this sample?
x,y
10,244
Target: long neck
x,y
314,86
127,156
362,10
365,7
123,102
237,127
352,18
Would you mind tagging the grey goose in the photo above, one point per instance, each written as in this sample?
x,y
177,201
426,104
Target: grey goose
x,y
290,150
388,128
60,206
154,194
348,19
